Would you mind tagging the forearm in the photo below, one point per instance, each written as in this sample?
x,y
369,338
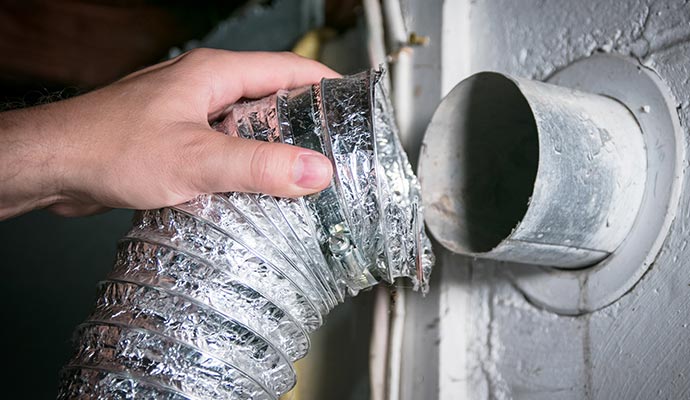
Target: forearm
x,y
29,160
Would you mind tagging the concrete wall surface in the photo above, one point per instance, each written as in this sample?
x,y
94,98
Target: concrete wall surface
x,y
477,336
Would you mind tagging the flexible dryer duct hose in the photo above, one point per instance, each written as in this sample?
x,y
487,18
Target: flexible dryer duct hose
x,y
215,298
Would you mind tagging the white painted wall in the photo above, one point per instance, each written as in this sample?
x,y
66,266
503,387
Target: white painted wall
x,y
476,336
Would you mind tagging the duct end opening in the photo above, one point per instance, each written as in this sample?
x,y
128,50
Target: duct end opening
x,y
479,163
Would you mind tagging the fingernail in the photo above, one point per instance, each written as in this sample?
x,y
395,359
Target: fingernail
x,y
312,171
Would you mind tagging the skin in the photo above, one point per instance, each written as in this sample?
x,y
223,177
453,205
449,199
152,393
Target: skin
x,y
145,141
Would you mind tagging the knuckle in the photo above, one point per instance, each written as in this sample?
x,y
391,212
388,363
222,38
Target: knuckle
x,y
292,57
288,54
198,54
262,171
198,58
180,166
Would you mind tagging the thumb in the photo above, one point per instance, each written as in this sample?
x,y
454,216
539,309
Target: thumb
x,y
232,164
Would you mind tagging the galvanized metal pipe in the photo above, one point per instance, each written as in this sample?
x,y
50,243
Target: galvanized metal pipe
x,y
523,171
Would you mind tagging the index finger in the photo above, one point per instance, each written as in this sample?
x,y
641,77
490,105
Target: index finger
x,y
234,75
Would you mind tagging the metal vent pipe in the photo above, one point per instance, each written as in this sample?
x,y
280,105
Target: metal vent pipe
x,y
528,172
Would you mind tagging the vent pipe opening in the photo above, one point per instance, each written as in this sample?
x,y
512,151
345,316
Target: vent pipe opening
x,y
492,132
526,172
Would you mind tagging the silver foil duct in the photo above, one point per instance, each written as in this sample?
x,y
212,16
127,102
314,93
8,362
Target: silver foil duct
x,y
215,298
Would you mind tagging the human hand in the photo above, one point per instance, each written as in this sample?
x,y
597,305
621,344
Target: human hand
x,y
145,141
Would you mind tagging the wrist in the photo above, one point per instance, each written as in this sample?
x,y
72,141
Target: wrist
x,y
31,163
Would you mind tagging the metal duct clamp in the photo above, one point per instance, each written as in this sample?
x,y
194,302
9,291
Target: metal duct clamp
x,y
374,189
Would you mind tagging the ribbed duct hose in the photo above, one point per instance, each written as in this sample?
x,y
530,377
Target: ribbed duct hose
x,y
215,298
